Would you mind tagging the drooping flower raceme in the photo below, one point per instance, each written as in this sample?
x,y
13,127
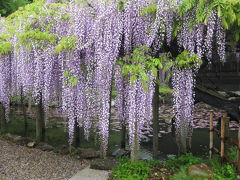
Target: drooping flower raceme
x,y
183,98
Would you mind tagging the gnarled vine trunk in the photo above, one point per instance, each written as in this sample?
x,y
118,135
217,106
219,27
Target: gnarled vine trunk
x,y
24,113
40,124
155,121
3,121
135,145
76,134
123,136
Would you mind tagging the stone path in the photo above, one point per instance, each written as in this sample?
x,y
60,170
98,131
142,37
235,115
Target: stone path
x,y
22,163
91,174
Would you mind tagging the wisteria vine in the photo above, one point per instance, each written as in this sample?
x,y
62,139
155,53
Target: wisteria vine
x,y
65,54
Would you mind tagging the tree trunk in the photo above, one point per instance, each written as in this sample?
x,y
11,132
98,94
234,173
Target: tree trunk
x,y
123,136
155,121
182,137
3,122
40,124
77,134
135,146
29,104
24,114
103,152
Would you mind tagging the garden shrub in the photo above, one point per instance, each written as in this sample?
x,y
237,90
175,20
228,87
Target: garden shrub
x,y
182,161
126,170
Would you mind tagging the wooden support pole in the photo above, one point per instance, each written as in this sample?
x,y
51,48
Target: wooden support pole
x,y
238,152
226,134
222,136
211,134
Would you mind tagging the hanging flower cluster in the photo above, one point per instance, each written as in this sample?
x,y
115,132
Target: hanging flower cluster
x,y
5,81
183,86
183,82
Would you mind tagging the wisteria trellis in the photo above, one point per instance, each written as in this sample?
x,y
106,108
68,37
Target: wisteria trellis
x,y
105,31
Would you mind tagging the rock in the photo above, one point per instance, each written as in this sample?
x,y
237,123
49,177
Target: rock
x,y
17,138
45,147
163,132
144,138
23,141
56,151
119,153
87,153
200,170
170,156
144,155
9,136
103,164
63,149
31,144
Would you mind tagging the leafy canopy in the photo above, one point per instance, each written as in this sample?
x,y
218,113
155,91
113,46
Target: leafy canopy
x,y
139,64
227,10
66,43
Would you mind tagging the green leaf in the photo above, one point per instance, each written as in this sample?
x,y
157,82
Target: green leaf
x,y
73,80
219,11
133,78
154,71
160,65
237,36
168,66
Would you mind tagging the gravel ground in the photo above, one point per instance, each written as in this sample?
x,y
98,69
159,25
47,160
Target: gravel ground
x,y
22,163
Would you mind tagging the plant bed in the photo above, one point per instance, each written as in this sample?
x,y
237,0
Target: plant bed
x,y
186,167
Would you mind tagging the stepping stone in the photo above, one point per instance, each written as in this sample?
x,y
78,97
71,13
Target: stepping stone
x,y
91,174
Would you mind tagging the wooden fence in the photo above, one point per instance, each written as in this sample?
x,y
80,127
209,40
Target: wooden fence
x,y
225,140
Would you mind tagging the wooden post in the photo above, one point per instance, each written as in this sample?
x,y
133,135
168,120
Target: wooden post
x,y
226,133
222,137
238,152
211,134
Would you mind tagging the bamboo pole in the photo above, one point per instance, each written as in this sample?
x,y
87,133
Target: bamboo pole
x,y
238,152
211,134
226,133
222,137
